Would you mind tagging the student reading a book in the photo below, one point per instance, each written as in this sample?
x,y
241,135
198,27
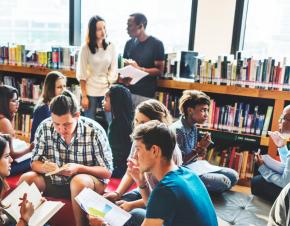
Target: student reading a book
x,y
26,209
269,183
9,104
118,101
132,201
180,197
146,53
193,106
96,68
54,84
77,150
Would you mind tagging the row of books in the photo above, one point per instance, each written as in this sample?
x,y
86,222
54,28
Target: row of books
x,y
22,124
249,72
241,161
55,58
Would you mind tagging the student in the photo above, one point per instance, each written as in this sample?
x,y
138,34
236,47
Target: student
x,y
279,213
79,142
9,104
96,68
26,207
118,101
132,201
193,106
179,198
269,183
54,84
146,53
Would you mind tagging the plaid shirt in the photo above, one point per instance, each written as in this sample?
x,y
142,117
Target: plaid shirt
x,y
89,147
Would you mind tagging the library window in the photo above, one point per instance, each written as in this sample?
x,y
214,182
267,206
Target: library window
x,y
267,30
169,21
41,26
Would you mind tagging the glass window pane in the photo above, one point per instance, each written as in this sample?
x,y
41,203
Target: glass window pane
x,y
168,21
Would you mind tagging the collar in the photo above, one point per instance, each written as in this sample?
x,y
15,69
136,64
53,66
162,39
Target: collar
x,y
188,129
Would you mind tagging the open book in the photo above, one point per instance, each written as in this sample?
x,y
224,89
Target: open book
x,y
58,170
96,205
273,164
132,72
43,210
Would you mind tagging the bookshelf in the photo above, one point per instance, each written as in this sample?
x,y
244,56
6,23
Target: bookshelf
x,y
279,98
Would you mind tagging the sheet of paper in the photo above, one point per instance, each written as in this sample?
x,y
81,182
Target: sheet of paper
x,y
96,205
132,72
201,167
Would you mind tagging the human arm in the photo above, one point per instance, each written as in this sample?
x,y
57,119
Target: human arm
x,y
85,100
128,206
7,127
26,211
280,142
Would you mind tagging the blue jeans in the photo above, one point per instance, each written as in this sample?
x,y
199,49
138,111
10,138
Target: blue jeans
x,y
221,180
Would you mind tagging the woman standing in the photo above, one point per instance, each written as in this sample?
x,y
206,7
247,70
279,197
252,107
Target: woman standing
x,y
96,68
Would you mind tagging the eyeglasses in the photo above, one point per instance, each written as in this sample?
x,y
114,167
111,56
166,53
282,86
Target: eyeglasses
x,y
284,118
15,101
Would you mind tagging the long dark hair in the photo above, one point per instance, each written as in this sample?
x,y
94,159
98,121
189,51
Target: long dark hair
x,y
6,94
91,36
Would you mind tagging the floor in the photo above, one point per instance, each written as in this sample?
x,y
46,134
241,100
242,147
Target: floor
x,y
243,189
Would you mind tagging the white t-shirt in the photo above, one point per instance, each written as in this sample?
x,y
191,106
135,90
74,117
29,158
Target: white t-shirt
x,y
99,70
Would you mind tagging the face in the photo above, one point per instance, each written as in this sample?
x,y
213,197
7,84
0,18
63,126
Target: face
x,y
132,28
101,30
145,157
60,85
284,123
107,103
14,104
5,162
140,118
65,125
198,114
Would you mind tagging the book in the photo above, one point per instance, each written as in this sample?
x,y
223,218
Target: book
x,y
43,209
132,72
96,205
273,164
19,145
58,170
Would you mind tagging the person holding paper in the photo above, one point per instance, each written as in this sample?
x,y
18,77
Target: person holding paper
x,y
194,106
78,143
269,183
96,67
26,209
145,53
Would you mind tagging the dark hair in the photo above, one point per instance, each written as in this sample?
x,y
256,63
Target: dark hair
x,y
6,94
154,110
64,103
4,140
139,19
156,133
48,91
192,98
91,35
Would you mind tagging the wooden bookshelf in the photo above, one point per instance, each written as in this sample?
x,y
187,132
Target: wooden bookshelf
x,y
279,98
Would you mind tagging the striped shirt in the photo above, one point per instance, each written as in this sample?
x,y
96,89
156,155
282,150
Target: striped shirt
x,y
89,147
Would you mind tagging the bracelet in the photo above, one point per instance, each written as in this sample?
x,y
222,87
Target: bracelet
x,y
143,186
24,221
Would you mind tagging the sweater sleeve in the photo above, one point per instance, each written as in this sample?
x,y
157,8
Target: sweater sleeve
x,y
112,76
81,72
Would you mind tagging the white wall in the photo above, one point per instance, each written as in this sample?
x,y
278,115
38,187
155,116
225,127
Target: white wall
x,y
214,27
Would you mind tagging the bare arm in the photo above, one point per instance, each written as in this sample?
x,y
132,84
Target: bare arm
x,y
152,222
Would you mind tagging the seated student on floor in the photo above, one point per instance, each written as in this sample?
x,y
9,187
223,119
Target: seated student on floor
x,y
179,198
26,207
80,144
132,201
269,183
9,104
118,101
193,106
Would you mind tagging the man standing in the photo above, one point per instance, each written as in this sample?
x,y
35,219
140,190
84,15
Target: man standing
x,y
145,53
80,144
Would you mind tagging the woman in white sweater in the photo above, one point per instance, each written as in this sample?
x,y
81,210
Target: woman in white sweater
x,y
96,68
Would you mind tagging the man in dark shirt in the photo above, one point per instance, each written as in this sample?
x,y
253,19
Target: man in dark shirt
x,y
146,53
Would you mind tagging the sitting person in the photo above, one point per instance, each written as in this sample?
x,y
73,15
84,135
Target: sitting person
x,y
132,201
179,198
118,101
54,84
269,183
68,139
26,207
9,104
193,106
279,213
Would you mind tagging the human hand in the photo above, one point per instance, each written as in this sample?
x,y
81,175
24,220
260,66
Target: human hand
x,y
85,102
277,138
70,169
259,160
127,206
134,171
112,196
131,62
26,208
125,80
205,141
96,221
